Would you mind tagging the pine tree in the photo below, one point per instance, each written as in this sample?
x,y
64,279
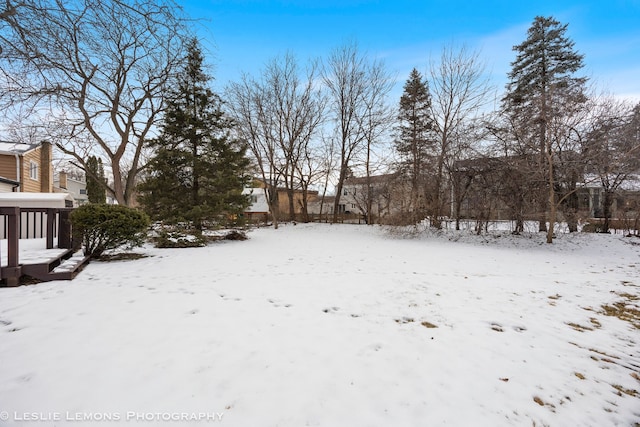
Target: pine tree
x,y
542,87
94,177
198,171
413,142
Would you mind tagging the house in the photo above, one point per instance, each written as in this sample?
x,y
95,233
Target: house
x,y
259,208
502,188
26,167
380,196
625,199
8,185
78,189
322,206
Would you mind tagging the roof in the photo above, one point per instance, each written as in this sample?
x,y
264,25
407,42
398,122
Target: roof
x,y
16,147
631,183
373,179
9,181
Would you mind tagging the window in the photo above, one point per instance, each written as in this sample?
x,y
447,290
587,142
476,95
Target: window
x,y
345,192
83,191
33,170
254,199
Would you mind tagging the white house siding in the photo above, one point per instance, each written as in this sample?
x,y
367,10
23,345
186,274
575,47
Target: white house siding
x,y
258,200
6,187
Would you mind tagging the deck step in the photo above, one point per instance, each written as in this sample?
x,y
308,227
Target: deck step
x,y
63,267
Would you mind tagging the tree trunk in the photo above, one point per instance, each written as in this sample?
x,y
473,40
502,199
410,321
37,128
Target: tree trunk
x,y
552,200
336,202
272,200
292,206
606,207
305,204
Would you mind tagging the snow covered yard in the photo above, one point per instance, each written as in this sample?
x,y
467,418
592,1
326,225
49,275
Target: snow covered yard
x,y
333,325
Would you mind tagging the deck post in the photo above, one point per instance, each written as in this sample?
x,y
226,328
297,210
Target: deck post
x,y
12,272
51,218
64,230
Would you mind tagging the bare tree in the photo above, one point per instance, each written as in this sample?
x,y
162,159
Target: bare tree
x,y
296,108
279,115
247,101
327,161
95,71
315,166
376,120
357,88
458,92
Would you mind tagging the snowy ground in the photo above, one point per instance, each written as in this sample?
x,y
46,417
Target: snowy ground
x,y
321,325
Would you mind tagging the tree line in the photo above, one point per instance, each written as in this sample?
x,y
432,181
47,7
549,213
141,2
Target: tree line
x,y
125,82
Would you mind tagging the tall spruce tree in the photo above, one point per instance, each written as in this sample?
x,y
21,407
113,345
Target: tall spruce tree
x,y
94,177
542,88
413,142
198,171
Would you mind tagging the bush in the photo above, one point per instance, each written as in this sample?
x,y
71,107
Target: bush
x,y
105,227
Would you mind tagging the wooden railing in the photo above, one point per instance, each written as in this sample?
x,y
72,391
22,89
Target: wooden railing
x,y
56,219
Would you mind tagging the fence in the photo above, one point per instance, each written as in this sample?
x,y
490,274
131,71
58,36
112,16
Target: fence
x,y
263,218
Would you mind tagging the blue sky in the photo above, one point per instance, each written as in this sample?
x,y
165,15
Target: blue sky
x,y
242,35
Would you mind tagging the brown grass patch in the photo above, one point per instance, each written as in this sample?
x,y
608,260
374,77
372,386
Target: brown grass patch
x,y
541,402
428,324
627,391
579,328
595,322
626,310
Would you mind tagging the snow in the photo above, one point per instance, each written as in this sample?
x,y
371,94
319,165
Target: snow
x,y
35,200
15,147
327,325
31,251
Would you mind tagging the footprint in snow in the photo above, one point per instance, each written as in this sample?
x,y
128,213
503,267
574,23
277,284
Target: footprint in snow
x,y
497,327
276,304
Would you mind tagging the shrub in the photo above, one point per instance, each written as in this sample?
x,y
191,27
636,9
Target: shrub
x,y
105,227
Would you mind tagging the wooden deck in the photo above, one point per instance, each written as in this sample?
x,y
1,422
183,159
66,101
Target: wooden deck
x,y
38,258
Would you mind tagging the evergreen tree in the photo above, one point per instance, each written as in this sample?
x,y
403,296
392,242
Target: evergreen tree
x,y
198,171
542,88
94,177
413,142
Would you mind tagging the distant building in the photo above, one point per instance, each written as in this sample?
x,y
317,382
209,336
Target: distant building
x,y
259,208
76,188
385,194
26,167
